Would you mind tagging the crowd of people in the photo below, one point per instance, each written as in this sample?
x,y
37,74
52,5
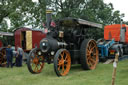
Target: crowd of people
x,y
18,56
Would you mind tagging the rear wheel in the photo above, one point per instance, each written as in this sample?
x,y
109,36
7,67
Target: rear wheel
x,y
35,61
89,54
2,56
62,62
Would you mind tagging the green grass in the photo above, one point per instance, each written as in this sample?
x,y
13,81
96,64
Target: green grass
x,y
102,75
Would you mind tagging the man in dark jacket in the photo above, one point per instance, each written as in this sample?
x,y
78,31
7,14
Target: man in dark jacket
x,y
9,55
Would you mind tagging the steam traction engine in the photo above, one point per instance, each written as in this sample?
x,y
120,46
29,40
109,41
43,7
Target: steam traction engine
x,y
3,48
64,45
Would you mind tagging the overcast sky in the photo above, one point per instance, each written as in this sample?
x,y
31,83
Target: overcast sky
x,y
121,5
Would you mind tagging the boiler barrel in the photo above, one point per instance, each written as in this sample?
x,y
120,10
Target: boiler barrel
x,y
47,45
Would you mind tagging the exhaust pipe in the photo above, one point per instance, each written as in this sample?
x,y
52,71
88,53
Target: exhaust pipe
x,y
122,33
48,18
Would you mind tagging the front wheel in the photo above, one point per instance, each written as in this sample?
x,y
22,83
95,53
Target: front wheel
x,y
62,62
35,61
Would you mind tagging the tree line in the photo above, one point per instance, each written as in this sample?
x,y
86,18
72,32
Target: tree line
x,y
19,13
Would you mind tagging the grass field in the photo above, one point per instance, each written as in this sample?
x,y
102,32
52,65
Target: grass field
x,y
102,75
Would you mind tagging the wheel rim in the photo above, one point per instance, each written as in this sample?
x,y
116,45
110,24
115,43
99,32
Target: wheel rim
x,y
36,62
64,63
92,54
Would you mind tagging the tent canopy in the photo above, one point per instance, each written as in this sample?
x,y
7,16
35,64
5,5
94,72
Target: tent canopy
x,y
6,34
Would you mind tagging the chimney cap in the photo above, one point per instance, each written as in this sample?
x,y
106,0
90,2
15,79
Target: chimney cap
x,y
48,11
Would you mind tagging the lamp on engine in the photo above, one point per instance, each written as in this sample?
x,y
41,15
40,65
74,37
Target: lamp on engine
x,y
66,43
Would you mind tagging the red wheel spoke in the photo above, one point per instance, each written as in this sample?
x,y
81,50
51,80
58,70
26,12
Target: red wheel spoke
x,y
88,54
40,57
90,63
93,48
90,45
35,68
89,48
66,57
59,67
62,55
92,60
68,61
32,64
59,63
63,67
94,54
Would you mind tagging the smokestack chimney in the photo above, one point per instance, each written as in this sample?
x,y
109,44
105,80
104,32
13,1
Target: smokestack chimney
x,y
48,17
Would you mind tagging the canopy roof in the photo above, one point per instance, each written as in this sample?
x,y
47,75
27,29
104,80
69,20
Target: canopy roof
x,y
78,22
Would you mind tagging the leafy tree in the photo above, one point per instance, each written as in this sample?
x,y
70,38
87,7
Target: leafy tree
x,y
26,12
20,13
92,10
15,11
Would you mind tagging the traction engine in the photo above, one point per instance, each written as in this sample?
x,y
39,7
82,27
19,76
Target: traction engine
x,y
65,44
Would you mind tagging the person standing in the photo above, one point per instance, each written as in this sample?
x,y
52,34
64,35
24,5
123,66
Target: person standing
x,y
9,55
20,53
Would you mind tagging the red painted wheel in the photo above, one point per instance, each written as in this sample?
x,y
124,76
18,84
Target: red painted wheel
x,y
35,61
62,62
2,56
89,54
